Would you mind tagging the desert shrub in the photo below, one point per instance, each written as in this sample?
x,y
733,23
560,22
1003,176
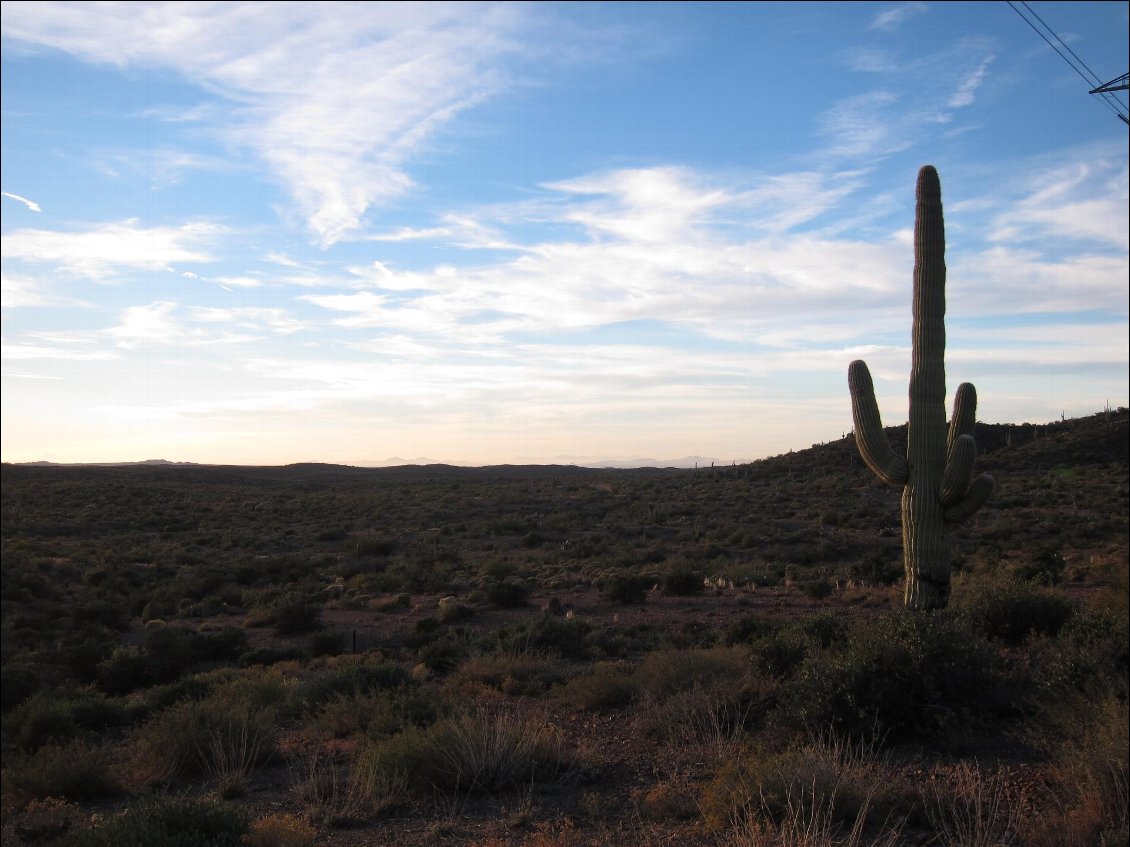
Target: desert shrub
x,y
508,593
819,588
165,821
394,711
271,655
222,738
474,752
451,611
825,629
526,673
609,685
879,566
40,821
749,629
966,805
847,782
166,653
75,771
326,643
627,588
371,547
1010,611
42,719
444,649
17,683
349,675
342,795
1090,657
563,636
682,579
781,654
1089,781
280,829
1045,566
125,670
295,614
101,611
903,676
665,672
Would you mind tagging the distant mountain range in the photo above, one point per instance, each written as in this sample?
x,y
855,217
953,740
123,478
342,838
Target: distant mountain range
x,y
397,461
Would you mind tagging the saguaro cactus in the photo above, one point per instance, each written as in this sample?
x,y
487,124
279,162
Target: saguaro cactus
x,y
937,472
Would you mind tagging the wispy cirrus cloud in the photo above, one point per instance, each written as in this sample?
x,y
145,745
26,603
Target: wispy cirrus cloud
x,y
338,127
31,204
891,19
1088,199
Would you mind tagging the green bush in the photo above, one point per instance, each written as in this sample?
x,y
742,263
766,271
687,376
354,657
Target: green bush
x,y
349,675
567,637
166,822
627,588
682,580
294,614
74,771
904,676
607,686
1010,611
42,719
508,593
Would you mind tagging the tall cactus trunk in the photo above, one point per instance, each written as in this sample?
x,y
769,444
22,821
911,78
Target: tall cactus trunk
x,y
937,470
925,542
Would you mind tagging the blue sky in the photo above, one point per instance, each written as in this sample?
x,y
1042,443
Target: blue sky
x,y
485,233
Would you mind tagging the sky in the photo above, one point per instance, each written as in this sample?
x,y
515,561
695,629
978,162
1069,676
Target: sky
x,y
363,233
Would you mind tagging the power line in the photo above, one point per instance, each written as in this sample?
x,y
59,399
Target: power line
x,y
1096,85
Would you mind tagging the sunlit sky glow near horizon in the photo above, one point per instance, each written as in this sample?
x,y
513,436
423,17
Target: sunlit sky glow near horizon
x,y
265,233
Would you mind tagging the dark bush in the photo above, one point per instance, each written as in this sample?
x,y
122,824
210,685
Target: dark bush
x,y
294,614
906,676
682,580
627,588
1009,611
166,822
351,676
17,683
567,637
509,593
326,643
74,771
41,719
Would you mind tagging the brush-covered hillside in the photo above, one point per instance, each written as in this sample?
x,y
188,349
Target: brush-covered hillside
x,y
317,654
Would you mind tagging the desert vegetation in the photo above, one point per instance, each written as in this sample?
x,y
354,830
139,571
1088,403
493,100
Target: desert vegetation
x,y
542,656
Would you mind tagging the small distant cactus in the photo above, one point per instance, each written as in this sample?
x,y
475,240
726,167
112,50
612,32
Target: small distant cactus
x,y
937,471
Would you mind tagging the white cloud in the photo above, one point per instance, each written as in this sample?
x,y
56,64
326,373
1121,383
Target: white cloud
x,y
967,88
335,97
274,320
18,290
893,18
1087,199
151,324
100,252
31,204
55,349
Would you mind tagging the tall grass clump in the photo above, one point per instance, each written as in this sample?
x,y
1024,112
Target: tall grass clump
x,y
472,752
827,781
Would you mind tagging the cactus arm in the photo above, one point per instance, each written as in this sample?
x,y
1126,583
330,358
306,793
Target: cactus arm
x,y
964,419
977,496
869,436
959,469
